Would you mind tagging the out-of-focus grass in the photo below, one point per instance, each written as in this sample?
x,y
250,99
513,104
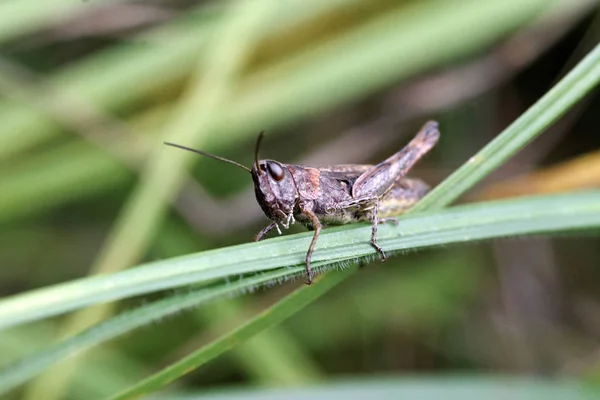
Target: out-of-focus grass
x,y
107,372
317,56
269,317
279,92
580,173
339,60
20,17
583,79
209,91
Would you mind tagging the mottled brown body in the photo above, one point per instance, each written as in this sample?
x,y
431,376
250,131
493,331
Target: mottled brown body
x,y
339,194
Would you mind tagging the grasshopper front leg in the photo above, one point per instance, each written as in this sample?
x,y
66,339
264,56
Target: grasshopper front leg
x,y
260,235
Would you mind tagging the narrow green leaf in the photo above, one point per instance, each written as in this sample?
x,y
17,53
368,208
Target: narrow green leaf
x,y
580,81
266,319
452,388
537,214
18,373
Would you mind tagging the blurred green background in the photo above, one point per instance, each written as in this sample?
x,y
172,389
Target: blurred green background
x,y
89,90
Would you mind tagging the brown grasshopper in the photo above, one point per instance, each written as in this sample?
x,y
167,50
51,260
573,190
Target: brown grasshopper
x,y
338,194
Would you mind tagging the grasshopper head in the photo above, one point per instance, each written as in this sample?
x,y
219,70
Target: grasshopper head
x,y
275,190
274,185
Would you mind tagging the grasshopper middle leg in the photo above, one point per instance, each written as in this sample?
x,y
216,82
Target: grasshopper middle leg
x,y
375,221
370,206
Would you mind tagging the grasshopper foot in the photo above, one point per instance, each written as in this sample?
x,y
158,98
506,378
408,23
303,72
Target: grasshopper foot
x,y
309,279
382,256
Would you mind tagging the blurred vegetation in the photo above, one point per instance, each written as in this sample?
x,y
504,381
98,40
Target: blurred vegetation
x,y
89,91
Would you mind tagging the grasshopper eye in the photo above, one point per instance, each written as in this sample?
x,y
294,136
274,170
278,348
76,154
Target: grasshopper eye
x,y
275,171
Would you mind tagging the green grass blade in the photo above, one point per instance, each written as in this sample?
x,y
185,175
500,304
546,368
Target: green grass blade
x,y
266,319
104,373
467,387
272,358
580,81
18,373
538,214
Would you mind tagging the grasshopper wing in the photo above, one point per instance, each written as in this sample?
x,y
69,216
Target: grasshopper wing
x,y
347,172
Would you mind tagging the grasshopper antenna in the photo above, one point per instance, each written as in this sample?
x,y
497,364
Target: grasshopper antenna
x,y
257,148
209,155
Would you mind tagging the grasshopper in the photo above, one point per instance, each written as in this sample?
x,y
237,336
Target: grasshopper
x,y
337,194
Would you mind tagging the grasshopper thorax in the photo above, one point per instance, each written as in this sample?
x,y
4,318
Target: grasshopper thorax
x,y
275,190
